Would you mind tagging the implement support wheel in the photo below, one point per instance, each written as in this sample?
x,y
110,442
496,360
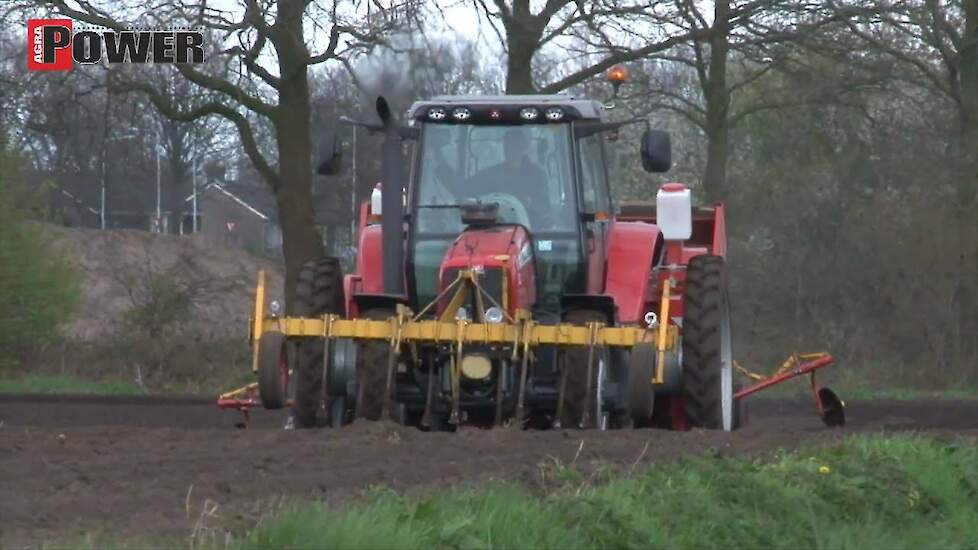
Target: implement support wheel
x,y
318,292
641,392
707,380
273,370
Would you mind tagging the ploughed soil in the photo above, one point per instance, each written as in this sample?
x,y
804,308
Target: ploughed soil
x,y
155,468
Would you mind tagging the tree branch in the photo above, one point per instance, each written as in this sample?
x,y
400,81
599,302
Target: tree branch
x,y
248,142
618,57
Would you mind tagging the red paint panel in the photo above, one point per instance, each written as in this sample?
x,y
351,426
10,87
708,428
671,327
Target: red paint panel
x,y
351,286
370,260
506,246
630,249
719,247
478,245
49,37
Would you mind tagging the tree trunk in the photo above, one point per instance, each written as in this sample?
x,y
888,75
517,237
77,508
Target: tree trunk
x,y
293,194
523,35
968,72
519,67
717,97
717,153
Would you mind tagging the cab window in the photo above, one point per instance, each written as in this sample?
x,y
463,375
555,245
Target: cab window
x,y
594,183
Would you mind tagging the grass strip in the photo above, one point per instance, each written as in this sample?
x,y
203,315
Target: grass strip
x,y
66,384
901,491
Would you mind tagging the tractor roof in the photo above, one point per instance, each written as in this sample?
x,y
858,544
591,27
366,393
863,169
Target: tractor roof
x,y
585,108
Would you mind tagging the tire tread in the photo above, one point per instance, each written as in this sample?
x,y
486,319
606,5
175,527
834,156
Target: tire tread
x,y
319,291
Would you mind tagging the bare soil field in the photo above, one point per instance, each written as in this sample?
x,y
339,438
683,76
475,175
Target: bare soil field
x,y
157,468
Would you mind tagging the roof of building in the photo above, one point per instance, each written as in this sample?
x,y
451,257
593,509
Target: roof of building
x,y
260,201
223,190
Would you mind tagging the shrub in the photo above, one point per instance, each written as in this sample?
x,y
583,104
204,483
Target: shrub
x,y
38,290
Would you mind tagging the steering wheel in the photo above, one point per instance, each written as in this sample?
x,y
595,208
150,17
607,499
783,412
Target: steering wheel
x,y
511,209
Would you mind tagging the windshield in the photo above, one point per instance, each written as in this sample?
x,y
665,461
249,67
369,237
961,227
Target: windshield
x,y
525,169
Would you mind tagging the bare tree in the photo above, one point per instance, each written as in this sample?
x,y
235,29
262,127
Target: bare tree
x,y
732,49
938,42
263,78
605,32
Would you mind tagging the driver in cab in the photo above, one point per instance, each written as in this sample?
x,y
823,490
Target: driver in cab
x,y
517,175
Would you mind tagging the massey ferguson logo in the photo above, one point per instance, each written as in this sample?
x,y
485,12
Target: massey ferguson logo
x,y
54,45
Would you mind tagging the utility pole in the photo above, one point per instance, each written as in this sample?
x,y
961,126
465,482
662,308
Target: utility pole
x,y
353,193
159,209
193,178
105,144
102,201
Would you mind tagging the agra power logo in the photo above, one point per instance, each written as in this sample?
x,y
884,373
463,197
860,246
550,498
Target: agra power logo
x,y
55,45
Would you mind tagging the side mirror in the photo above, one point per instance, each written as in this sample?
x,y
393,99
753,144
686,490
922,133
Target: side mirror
x,y
330,154
656,151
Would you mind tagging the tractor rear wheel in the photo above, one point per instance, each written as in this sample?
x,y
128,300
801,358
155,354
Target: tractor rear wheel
x,y
707,380
372,358
319,292
574,361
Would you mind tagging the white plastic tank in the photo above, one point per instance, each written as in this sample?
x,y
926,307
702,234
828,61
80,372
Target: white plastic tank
x,y
674,211
376,200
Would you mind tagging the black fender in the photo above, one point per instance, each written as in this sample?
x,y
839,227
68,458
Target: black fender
x,y
378,301
596,302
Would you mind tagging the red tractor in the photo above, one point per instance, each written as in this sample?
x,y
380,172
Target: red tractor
x,y
502,285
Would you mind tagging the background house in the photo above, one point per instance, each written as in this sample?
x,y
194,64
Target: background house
x,y
245,217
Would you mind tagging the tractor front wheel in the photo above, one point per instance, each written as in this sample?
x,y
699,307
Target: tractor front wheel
x,y
707,379
318,292
573,365
372,357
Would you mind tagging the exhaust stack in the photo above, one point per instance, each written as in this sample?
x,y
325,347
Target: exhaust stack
x,y
392,217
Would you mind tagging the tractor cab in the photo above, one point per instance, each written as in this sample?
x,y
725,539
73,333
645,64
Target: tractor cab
x,y
540,160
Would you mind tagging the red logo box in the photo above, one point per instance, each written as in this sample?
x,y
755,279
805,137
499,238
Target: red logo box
x,y
49,44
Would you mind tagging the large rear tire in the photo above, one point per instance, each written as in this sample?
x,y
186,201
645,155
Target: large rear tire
x,y
372,357
707,380
319,292
574,361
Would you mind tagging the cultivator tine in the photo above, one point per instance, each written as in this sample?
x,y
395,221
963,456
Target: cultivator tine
x,y
524,365
498,421
388,390
456,374
586,416
426,417
327,348
453,418
560,398
397,323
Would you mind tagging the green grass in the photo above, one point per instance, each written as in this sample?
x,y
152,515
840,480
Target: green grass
x,y
908,394
66,384
877,492
852,387
800,390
